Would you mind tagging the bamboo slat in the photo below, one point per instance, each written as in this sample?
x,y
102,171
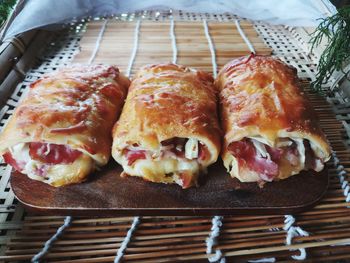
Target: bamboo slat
x,y
155,43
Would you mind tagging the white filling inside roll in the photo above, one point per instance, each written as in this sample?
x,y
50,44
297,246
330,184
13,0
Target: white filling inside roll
x,y
176,159
289,157
50,173
191,149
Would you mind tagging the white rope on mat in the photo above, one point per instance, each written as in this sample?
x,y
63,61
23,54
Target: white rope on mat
x,y
211,47
343,182
98,41
245,38
127,239
217,220
48,243
294,231
263,260
134,50
173,40
211,241
341,172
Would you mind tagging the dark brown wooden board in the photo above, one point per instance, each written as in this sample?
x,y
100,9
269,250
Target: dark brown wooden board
x,y
106,193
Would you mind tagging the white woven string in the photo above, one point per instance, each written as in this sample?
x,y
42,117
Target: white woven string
x,y
263,260
48,243
294,231
217,220
211,47
135,47
243,35
341,175
211,241
173,40
98,42
127,239
343,182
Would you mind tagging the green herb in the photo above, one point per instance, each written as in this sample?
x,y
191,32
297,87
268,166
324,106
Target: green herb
x,y
5,9
336,30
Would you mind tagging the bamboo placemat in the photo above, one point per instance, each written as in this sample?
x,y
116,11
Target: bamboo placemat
x,y
154,45
317,235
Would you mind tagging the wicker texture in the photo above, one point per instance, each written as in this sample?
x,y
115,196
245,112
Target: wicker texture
x,y
164,239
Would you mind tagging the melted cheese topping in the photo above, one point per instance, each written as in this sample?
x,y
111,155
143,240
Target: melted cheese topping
x,y
319,165
301,151
261,150
165,170
55,175
175,161
163,165
284,142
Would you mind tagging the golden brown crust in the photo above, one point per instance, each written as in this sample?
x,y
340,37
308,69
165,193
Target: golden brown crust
x,y
167,101
261,96
76,106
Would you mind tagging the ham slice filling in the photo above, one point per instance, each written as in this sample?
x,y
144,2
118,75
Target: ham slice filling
x,y
134,155
18,166
45,154
266,161
52,153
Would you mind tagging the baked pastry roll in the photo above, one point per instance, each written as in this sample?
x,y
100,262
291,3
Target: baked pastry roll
x,y
168,131
61,131
271,130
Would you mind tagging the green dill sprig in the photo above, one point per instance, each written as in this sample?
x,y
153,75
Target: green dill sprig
x,y
5,9
336,30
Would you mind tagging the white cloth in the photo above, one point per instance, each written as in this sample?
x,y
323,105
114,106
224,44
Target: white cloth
x,y
43,13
